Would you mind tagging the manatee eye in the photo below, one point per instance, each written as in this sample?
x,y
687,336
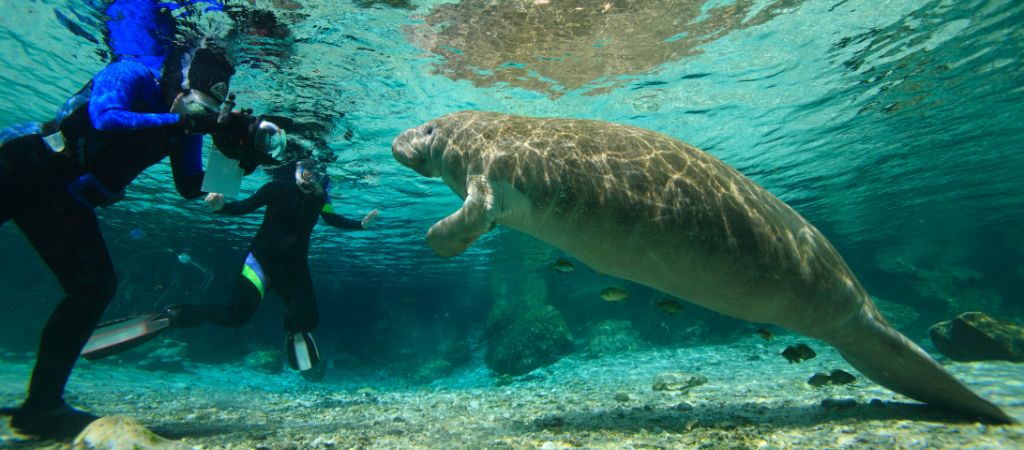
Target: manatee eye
x,y
429,130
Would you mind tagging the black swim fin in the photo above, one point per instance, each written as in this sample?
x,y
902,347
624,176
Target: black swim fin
x,y
62,422
302,352
119,335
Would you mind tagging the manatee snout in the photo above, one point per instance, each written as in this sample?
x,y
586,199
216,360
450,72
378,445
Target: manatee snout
x,y
412,149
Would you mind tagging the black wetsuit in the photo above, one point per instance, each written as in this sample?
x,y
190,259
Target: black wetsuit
x,y
277,258
102,138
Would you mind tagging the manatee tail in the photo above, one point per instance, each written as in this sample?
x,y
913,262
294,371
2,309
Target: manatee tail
x,y
887,357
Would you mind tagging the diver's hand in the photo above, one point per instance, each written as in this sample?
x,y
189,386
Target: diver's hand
x,y
215,200
202,123
235,137
369,218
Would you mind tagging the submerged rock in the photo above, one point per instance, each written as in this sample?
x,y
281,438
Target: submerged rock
x,y
167,355
266,361
610,337
677,381
975,336
121,433
524,339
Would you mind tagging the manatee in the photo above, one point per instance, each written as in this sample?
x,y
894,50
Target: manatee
x,y
648,208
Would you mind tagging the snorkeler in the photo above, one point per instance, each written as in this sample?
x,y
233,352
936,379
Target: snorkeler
x,y
127,118
277,260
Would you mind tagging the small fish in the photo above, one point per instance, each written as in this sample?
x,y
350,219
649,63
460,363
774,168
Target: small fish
x,y
841,377
669,305
805,351
798,353
819,379
563,266
836,377
764,333
613,294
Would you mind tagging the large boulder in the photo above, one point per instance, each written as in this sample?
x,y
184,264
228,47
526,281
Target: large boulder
x,y
521,339
974,336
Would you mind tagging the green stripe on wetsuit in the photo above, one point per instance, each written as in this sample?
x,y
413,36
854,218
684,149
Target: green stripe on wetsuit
x,y
254,272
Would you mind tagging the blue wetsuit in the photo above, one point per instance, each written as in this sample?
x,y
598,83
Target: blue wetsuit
x,y
106,135
52,175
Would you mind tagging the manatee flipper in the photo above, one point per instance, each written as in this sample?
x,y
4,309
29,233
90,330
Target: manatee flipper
x,y
454,234
890,359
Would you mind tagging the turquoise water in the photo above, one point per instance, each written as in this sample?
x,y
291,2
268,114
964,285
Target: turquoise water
x,y
894,127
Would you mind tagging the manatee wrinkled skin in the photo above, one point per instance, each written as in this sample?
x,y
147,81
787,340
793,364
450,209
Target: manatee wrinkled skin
x,y
646,207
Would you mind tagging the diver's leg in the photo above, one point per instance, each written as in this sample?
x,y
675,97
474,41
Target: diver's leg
x,y
67,236
249,289
13,191
302,317
299,299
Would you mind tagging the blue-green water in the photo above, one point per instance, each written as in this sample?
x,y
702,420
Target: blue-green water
x,y
894,127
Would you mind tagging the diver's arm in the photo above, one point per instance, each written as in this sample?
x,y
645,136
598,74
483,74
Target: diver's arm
x,y
242,207
339,221
120,87
187,167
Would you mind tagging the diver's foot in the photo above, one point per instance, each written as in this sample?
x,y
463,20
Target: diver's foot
x,y
63,422
316,374
185,315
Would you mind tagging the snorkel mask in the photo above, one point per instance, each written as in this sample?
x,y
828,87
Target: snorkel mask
x,y
270,138
309,176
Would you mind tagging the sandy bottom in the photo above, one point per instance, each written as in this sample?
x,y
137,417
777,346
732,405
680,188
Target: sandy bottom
x,y
753,399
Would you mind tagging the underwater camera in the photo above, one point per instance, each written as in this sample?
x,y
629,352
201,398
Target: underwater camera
x,y
251,140
246,142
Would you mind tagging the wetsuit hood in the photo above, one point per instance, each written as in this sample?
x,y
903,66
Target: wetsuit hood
x,y
207,70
